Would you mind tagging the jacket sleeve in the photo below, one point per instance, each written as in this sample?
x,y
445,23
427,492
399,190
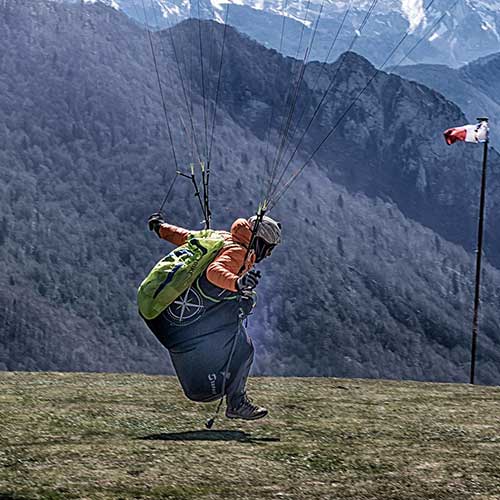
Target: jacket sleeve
x,y
176,235
223,271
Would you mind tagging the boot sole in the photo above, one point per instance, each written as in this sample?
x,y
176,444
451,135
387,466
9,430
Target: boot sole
x,y
256,417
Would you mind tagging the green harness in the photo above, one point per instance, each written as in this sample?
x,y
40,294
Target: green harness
x,y
176,272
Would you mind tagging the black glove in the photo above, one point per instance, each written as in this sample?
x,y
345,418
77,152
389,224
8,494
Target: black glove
x,y
154,223
248,281
247,304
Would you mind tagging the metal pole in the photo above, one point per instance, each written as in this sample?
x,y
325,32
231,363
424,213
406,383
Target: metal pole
x,y
480,231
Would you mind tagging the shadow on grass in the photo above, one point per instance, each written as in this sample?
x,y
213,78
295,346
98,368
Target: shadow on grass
x,y
205,435
11,496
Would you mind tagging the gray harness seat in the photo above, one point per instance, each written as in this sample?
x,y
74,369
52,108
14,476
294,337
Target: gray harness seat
x,y
200,330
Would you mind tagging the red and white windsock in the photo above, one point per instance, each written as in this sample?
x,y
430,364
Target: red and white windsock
x,y
468,133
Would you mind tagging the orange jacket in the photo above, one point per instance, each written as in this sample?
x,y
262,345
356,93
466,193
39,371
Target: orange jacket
x,y
224,271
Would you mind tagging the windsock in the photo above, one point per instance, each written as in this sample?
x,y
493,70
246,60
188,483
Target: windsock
x,y
468,133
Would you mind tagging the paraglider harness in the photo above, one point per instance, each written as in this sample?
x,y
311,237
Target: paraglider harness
x,y
175,274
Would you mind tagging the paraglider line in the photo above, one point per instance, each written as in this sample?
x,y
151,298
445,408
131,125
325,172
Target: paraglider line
x,y
218,86
320,73
267,136
181,78
202,71
277,198
325,94
292,100
167,120
169,191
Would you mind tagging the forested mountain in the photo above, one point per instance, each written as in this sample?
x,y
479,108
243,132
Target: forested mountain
x,y
475,87
375,275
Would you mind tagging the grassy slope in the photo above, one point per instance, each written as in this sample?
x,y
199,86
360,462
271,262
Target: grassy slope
x,y
117,436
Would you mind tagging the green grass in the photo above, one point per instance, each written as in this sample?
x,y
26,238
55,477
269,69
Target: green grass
x,y
115,436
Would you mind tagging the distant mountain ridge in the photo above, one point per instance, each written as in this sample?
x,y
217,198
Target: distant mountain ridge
x,y
374,276
474,87
470,30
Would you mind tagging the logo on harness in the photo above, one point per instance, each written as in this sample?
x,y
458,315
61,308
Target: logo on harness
x,y
187,308
212,377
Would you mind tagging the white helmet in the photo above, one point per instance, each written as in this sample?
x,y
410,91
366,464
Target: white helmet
x,y
269,230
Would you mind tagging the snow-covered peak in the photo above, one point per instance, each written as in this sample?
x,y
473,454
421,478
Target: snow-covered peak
x,y
111,3
468,31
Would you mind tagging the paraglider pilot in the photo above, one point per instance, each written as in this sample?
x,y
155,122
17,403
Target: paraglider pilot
x,y
203,329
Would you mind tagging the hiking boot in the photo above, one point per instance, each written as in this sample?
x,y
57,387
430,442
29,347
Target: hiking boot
x,y
246,410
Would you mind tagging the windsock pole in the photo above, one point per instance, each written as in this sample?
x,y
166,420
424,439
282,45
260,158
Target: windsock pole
x,y
479,253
